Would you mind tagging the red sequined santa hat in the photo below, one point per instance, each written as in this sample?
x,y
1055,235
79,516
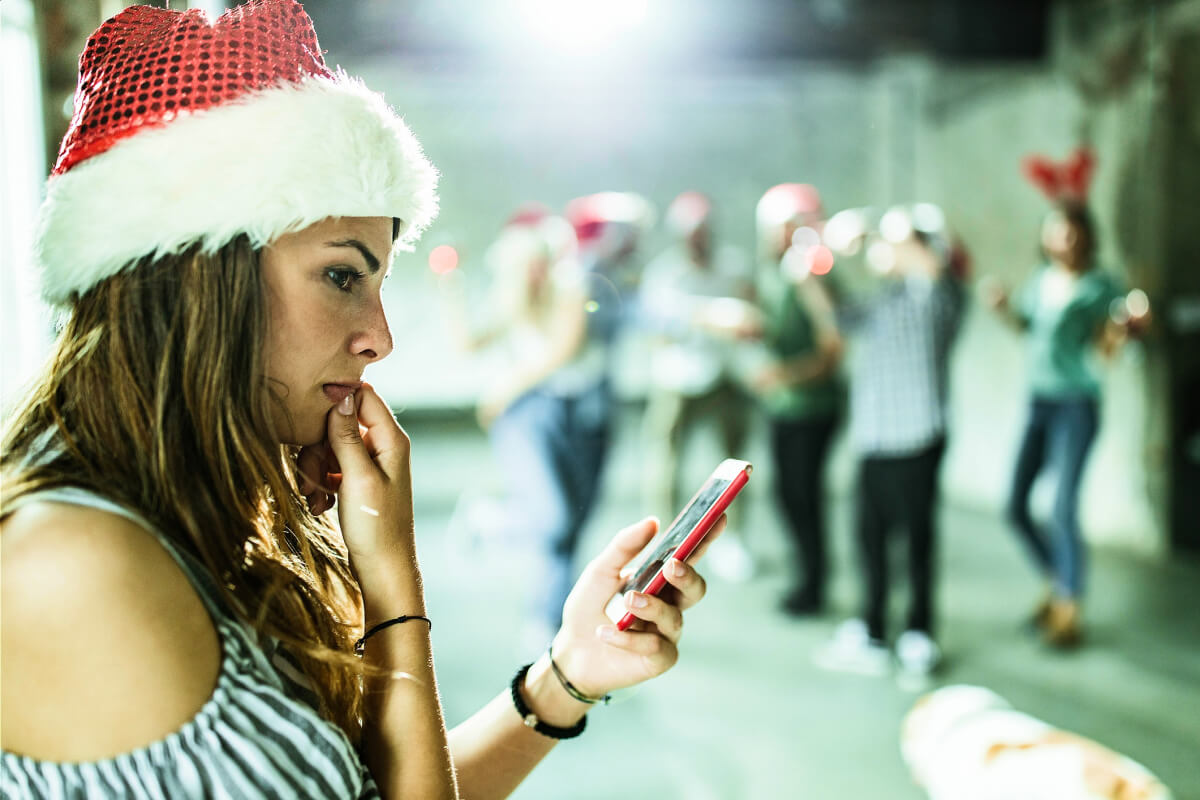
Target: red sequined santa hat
x,y
190,132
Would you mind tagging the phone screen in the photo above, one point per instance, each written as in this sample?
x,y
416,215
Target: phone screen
x,y
663,545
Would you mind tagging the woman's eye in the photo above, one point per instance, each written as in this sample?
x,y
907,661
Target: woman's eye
x,y
343,278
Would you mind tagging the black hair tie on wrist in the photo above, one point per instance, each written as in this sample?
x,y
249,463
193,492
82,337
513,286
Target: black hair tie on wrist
x,y
531,719
361,644
570,688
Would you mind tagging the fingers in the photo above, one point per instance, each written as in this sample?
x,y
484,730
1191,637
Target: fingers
x,y
625,545
666,617
659,652
345,438
361,430
690,586
383,434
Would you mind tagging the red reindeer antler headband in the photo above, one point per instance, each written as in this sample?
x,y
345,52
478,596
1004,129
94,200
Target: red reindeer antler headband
x,y
1068,180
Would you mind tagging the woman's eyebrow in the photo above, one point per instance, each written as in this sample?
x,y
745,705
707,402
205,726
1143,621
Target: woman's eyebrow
x,y
368,256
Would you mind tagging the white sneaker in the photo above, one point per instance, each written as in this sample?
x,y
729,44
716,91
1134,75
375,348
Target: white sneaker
x,y
918,656
730,559
853,650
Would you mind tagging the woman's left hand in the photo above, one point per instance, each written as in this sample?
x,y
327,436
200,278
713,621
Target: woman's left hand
x,y
591,652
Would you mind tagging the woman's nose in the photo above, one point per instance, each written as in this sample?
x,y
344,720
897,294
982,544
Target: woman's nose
x,y
375,339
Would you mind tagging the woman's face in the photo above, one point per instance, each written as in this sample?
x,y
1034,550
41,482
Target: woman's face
x,y
1061,238
325,317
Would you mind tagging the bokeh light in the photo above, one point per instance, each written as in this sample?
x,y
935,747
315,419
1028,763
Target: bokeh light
x,y
804,238
881,257
795,264
820,259
443,259
844,228
1137,303
896,225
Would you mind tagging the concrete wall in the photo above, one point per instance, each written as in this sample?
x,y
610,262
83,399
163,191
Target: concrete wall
x,y
904,129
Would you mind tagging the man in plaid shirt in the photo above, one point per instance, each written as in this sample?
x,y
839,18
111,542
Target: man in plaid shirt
x,y
903,331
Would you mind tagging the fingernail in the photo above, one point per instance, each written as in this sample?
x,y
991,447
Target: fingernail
x,y
606,632
676,568
635,600
346,407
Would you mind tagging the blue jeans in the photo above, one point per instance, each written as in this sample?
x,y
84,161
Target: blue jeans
x,y
551,449
1059,433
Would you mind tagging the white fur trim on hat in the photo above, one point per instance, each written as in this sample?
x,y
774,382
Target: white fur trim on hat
x,y
271,162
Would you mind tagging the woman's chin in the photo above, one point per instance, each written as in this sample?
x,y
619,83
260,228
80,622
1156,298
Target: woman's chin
x,y
308,432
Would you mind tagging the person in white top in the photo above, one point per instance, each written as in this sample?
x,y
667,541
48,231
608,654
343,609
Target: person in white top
x,y
548,407
695,300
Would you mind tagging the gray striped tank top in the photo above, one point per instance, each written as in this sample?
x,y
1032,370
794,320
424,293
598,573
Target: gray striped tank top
x,y
257,736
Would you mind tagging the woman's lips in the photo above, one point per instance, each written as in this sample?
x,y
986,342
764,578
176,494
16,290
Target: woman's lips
x,y
337,392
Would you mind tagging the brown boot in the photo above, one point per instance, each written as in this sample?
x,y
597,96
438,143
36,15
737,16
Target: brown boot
x,y
1041,614
1062,627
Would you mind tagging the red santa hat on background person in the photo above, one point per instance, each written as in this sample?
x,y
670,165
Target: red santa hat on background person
x,y
188,132
687,212
1062,182
787,202
608,221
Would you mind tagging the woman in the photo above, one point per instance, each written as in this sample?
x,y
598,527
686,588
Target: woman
x,y
549,407
1065,311
800,385
180,615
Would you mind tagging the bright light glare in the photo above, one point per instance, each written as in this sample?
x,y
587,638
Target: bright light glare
x,y
1117,311
928,218
1137,303
881,257
843,228
805,238
573,24
896,225
795,264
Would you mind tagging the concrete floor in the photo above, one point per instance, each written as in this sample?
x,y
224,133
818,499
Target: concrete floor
x,y
745,714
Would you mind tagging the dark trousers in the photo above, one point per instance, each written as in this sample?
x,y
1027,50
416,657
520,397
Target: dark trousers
x,y
800,448
898,492
1059,433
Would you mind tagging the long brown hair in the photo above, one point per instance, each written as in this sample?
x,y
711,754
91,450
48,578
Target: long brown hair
x,y
155,396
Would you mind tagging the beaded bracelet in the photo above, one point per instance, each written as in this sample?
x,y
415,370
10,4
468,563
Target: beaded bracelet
x,y
531,719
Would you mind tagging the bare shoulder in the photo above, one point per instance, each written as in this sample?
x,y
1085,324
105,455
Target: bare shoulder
x,y
107,647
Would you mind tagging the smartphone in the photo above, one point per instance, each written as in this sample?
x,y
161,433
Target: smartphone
x,y
681,537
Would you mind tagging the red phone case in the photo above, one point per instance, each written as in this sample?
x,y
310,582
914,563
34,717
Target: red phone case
x,y
694,538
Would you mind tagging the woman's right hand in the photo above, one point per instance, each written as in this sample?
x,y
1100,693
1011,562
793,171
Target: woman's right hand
x,y
993,293
374,495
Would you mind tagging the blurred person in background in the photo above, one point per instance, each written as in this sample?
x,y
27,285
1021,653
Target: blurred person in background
x,y
1071,311
694,299
799,383
548,409
183,616
905,323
